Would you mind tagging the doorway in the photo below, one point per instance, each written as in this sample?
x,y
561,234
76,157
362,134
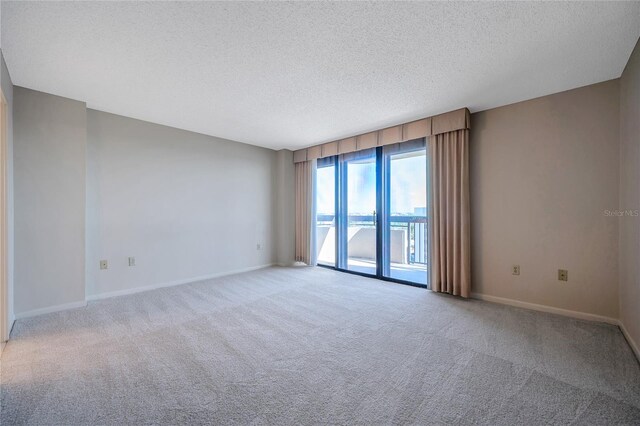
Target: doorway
x,y
372,213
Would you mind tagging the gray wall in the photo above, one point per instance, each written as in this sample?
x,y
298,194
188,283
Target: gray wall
x,y
49,173
185,205
542,174
630,197
7,90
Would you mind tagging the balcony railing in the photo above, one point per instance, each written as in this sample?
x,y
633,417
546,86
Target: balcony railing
x,y
414,226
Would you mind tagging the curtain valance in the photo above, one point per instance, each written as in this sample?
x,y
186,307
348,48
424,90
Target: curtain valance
x,y
443,123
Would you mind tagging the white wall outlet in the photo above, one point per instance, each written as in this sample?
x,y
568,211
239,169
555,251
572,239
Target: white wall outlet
x,y
104,264
515,270
563,275
132,261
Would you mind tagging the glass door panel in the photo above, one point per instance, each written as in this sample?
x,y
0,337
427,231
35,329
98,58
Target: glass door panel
x,y
360,230
405,253
326,211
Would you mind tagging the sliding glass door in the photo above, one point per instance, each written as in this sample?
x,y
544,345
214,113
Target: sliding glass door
x,y
405,219
358,239
372,212
326,211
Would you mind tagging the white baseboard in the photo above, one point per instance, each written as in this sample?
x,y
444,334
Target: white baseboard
x,y
82,304
50,309
545,308
634,346
135,290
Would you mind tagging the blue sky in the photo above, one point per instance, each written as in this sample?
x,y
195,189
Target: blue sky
x,y
408,187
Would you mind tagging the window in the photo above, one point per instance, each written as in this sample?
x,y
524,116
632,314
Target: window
x,y
326,211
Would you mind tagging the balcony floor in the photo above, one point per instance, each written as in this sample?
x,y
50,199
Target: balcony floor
x,y
416,273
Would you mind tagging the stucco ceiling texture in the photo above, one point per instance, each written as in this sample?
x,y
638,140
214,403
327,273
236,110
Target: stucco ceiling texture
x,y
289,75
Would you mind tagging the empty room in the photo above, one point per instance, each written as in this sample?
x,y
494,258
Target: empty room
x,y
319,213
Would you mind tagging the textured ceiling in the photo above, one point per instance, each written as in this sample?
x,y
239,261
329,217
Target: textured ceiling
x,y
288,75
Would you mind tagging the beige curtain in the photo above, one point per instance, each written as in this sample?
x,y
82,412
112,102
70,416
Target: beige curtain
x,y
304,212
450,259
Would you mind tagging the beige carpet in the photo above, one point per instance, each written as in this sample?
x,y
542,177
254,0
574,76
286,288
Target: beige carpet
x,y
313,346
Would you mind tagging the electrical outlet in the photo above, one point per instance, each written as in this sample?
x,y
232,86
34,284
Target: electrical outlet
x,y
515,270
132,261
104,264
563,275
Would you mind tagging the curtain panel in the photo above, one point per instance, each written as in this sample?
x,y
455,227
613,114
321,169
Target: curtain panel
x,y
304,229
450,215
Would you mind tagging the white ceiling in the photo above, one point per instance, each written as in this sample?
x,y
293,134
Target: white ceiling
x,y
289,75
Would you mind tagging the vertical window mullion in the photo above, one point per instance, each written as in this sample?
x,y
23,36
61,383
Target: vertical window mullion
x,y
341,188
380,212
